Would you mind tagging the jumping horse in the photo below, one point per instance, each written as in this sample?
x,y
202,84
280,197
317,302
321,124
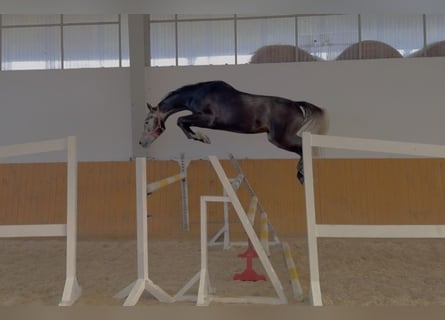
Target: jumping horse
x,y
217,105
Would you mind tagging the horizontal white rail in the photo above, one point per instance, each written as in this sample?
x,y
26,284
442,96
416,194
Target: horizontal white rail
x,y
33,230
380,231
33,148
373,145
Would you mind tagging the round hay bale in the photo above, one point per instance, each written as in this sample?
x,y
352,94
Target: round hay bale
x,y
281,53
436,49
371,49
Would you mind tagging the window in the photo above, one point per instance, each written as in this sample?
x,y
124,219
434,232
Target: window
x,y
163,44
206,42
435,37
435,28
31,48
399,32
192,40
257,33
203,39
63,41
326,37
101,41
85,46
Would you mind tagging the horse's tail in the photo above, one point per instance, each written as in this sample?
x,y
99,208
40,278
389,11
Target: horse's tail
x,y
317,120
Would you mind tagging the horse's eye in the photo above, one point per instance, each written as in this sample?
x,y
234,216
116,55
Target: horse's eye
x,y
146,122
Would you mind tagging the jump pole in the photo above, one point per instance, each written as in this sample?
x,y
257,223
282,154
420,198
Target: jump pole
x,y
297,291
143,283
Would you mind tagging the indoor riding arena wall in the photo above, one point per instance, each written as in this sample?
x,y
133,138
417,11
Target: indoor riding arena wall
x,y
348,191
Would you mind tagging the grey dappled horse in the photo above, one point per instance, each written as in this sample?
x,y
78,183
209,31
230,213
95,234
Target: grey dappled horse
x,y
217,105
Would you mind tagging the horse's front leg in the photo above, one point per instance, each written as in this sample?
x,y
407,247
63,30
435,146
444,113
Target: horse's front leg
x,y
195,120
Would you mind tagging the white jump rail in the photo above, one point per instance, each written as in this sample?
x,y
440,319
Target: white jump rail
x,y
72,289
143,283
315,230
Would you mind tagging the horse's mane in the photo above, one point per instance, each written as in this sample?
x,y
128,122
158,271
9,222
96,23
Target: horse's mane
x,y
192,87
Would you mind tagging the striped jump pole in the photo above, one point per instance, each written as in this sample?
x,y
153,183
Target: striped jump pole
x,y
252,210
236,183
293,274
264,234
152,187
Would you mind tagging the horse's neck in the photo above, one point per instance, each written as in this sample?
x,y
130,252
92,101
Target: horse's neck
x,y
174,103
168,109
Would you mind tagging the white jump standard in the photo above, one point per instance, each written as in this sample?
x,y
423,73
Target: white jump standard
x,y
357,231
143,283
72,290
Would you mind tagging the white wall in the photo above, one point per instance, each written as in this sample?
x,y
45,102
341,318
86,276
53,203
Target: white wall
x,y
398,99
394,99
92,104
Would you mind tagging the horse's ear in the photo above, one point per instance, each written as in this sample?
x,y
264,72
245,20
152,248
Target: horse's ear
x,y
149,107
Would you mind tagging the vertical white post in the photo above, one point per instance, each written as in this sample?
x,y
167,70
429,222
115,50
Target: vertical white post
x,y
183,164
141,220
143,283
311,222
72,289
202,299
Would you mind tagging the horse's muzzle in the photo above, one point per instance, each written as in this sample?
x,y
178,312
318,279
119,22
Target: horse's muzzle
x,y
143,144
145,141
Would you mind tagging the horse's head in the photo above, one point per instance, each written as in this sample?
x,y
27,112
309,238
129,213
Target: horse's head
x,y
153,126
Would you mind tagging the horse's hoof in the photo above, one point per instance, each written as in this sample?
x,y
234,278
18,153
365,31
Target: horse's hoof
x,y
300,177
206,140
203,138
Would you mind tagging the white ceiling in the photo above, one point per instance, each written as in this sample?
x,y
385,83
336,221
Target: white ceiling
x,y
223,6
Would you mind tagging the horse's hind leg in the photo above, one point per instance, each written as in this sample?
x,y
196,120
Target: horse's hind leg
x,y
300,171
195,120
290,142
